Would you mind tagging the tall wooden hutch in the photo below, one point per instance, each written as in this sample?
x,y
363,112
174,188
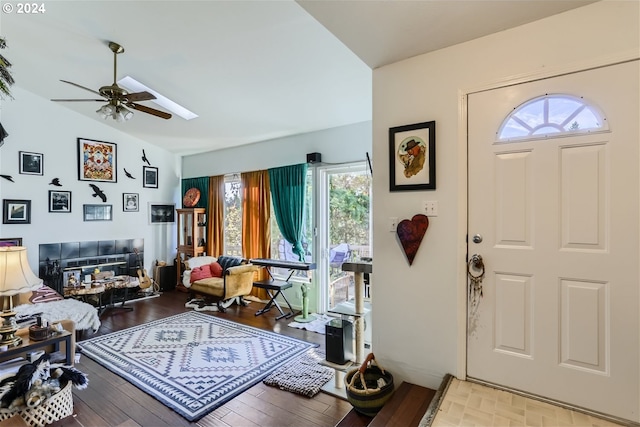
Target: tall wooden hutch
x,y
192,226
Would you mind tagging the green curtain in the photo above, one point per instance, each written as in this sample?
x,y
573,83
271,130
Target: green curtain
x,y
288,187
202,184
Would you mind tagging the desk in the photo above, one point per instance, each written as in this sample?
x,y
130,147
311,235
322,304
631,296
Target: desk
x,y
278,285
102,291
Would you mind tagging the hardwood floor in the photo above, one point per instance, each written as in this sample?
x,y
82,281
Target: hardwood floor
x,y
111,401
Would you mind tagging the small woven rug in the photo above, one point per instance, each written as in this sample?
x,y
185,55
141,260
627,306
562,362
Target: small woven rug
x,y
193,362
303,375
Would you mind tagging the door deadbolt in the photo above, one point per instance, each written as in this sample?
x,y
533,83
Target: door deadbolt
x,y
477,238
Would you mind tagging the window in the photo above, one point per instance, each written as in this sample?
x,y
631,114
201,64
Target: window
x,y
232,215
551,115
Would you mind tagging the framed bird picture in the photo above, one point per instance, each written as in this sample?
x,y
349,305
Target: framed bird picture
x,y
97,212
97,160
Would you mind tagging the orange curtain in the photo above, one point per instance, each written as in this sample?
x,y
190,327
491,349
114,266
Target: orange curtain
x,y
215,222
256,221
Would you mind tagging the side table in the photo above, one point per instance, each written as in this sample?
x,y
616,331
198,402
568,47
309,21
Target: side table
x,y
29,345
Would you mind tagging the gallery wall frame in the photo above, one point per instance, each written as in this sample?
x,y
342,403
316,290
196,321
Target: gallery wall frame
x,y
97,212
10,241
30,163
412,157
59,201
162,213
16,211
130,202
97,160
149,177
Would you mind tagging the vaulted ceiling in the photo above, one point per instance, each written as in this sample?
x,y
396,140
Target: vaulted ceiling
x,y
251,70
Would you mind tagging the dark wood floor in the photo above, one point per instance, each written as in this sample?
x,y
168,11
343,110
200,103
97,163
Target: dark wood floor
x,y
111,401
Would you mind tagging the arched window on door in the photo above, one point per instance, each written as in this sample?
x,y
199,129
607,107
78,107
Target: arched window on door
x,y
551,116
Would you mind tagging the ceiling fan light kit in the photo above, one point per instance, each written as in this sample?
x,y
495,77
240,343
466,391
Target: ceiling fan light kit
x,y
117,112
117,98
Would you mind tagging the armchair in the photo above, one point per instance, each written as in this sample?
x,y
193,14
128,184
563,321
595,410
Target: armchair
x,y
235,283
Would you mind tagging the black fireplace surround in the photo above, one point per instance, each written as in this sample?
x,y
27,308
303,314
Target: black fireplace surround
x,y
108,255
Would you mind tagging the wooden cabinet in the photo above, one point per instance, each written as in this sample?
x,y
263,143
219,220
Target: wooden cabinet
x,y
192,225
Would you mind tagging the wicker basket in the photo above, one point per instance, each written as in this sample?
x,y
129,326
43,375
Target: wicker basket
x,y
56,407
364,391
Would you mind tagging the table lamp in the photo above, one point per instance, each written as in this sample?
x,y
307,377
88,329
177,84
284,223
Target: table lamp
x,y
16,277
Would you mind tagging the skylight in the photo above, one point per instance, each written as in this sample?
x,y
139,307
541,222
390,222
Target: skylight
x,y
132,85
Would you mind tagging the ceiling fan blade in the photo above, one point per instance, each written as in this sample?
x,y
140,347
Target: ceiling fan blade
x,y
149,110
139,96
81,87
77,100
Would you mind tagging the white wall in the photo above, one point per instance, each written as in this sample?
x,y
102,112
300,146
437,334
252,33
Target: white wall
x,y
38,125
418,310
336,145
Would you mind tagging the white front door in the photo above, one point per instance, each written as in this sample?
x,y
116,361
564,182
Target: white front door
x,y
559,220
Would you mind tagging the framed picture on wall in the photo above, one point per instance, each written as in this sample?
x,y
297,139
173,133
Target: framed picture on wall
x,y
30,163
97,160
162,213
149,177
130,202
16,211
97,212
12,241
59,201
412,157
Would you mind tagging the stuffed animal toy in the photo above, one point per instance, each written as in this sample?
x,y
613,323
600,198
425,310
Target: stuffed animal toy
x,y
35,382
15,388
41,391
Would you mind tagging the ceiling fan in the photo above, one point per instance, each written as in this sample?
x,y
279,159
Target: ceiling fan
x,y
117,98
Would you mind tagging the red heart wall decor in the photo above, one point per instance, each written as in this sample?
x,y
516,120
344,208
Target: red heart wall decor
x,y
411,233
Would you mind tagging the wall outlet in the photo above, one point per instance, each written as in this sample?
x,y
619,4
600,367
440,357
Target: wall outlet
x,y
393,223
431,207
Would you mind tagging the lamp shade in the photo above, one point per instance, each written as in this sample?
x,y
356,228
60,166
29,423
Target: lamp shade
x,y
16,276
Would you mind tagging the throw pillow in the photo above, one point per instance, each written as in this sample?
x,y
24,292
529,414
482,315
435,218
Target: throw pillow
x,y
199,273
216,269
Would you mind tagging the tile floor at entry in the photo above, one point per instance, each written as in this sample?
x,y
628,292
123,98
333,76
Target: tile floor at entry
x,y
470,404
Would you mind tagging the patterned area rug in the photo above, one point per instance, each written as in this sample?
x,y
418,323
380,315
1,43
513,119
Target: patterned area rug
x,y
193,362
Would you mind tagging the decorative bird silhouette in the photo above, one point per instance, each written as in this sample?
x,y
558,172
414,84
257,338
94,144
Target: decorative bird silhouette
x,y
128,174
56,182
144,158
97,192
7,177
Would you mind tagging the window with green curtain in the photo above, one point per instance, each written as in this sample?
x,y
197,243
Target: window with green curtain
x,y
288,189
202,184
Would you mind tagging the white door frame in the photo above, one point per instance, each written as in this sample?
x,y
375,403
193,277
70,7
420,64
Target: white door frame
x,y
463,189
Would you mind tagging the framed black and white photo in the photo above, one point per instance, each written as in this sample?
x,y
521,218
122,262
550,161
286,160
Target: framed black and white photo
x,y
97,212
59,201
162,213
149,177
130,202
412,157
16,211
31,163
